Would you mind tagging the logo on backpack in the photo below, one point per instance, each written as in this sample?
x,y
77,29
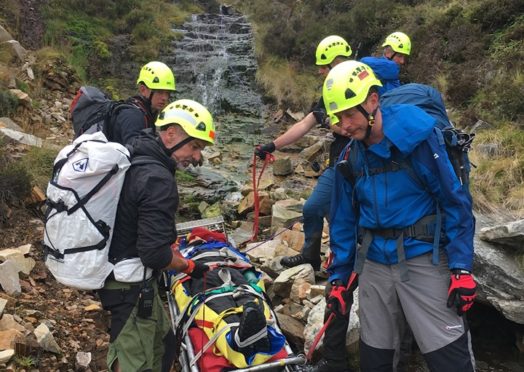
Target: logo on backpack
x,y
80,165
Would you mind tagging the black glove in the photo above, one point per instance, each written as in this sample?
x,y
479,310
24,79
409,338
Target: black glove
x,y
262,150
461,292
339,299
196,269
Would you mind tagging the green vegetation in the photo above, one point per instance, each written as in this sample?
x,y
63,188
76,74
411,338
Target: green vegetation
x,y
8,103
471,50
38,163
86,30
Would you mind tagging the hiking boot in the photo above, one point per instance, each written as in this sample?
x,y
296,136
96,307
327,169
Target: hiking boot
x,y
252,329
328,366
299,259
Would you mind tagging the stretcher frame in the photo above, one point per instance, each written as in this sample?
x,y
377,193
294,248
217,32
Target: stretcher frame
x,y
292,363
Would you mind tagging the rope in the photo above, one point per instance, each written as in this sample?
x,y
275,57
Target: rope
x,y
319,335
269,158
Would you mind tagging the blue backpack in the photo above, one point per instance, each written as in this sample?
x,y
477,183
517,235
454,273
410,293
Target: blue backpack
x,y
458,143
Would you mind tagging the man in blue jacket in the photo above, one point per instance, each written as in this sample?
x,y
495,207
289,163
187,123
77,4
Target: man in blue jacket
x,y
397,48
395,193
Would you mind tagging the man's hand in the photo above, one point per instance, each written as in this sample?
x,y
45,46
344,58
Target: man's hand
x,y
262,150
461,292
196,269
339,300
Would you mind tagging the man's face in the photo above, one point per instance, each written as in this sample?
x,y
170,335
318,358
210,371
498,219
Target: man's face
x,y
160,99
190,153
353,122
324,69
399,58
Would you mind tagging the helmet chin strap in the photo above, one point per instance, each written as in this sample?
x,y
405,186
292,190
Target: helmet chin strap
x,y
370,117
170,151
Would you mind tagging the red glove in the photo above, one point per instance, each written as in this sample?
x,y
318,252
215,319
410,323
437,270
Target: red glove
x,y
461,292
339,300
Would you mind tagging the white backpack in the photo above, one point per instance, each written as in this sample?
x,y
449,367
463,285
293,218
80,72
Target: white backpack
x,y
82,200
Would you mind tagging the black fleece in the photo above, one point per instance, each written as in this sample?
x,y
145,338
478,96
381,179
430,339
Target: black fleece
x,y
130,121
145,220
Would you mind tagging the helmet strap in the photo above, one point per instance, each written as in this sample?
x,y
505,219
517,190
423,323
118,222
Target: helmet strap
x,y
170,151
370,117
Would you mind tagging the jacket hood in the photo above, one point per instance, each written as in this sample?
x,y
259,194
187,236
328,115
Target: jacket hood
x,y
149,144
405,127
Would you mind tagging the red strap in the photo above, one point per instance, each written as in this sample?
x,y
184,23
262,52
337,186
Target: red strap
x,y
268,159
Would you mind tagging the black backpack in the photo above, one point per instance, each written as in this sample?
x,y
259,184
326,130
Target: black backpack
x,y
92,111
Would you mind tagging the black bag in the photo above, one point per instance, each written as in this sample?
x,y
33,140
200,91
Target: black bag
x,y
92,111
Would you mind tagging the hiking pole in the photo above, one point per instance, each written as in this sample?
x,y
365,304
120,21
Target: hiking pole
x,y
319,335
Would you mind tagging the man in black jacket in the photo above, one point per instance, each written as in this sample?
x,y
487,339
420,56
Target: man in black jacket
x,y
155,84
142,244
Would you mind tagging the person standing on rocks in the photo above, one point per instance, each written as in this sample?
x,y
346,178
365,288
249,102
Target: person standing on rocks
x,y
393,186
330,51
142,246
397,48
156,82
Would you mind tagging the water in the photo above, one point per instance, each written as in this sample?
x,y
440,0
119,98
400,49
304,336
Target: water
x,y
215,64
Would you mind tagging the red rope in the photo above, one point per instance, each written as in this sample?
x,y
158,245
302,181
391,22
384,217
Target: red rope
x,y
269,158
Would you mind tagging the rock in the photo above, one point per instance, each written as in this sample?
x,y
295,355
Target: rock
x,y
93,307
9,279
294,239
6,355
26,139
10,124
301,273
312,152
3,302
46,340
83,360
282,166
9,337
23,97
4,35
8,322
262,251
499,275
283,214
23,264
510,235
292,329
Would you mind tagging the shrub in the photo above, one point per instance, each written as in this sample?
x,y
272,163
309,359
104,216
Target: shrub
x,y
8,103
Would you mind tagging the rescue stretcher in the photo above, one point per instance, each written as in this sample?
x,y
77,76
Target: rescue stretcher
x,y
224,321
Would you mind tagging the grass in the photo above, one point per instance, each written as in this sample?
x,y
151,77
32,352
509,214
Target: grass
x,y
281,80
38,162
499,176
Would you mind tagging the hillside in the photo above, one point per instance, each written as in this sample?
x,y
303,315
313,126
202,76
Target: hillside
x,y
472,50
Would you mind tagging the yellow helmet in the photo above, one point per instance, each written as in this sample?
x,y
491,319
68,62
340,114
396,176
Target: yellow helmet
x,y
330,48
346,86
157,75
194,118
399,42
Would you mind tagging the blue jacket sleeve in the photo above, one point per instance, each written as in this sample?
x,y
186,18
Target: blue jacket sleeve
x,y
458,221
342,228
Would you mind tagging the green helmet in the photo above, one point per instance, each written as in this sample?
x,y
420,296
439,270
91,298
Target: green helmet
x,y
156,75
330,48
399,42
346,86
194,118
